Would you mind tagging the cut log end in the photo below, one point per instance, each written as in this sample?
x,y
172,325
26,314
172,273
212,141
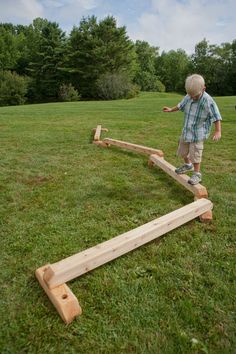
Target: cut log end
x,y
206,217
201,192
150,163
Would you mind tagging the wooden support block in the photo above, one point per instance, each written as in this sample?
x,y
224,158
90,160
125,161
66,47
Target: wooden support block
x,y
205,217
62,298
150,163
100,143
133,147
198,190
97,133
83,262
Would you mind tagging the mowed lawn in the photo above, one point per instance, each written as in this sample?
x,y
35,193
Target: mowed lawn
x,y
60,194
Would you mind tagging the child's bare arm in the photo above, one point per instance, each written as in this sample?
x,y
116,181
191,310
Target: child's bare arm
x,y
168,109
217,134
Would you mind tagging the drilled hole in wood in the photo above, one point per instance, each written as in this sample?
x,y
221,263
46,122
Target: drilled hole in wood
x,y
64,296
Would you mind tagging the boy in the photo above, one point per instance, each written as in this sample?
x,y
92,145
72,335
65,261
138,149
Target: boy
x,y
200,111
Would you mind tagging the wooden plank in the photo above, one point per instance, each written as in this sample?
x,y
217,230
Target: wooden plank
x,y
62,298
97,133
129,146
83,262
198,190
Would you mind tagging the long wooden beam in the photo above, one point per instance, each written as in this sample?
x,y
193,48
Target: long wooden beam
x,y
134,147
198,190
83,262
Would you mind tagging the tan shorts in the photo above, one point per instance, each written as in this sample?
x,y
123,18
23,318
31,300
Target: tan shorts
x,y
193,151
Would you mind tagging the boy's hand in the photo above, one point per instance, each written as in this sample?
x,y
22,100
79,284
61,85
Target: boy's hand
x,y
167,109
217,136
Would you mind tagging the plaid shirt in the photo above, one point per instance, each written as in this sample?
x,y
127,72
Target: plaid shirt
x,y
198,117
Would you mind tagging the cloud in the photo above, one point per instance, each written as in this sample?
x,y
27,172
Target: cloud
x,y
168,24
20,11
65,12
182,24
69,12
81,4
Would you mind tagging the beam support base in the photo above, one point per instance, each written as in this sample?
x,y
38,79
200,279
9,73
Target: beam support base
x,y
62,298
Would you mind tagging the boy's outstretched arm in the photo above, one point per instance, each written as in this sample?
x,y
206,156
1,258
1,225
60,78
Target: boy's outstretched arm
x,y
217,134
168,109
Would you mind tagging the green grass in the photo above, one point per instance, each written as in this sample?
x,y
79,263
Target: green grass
x,y
60,194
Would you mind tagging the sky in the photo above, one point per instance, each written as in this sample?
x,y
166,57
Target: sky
x,y
167,24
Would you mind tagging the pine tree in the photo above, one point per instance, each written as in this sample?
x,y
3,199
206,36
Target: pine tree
x,y
47,62
97,49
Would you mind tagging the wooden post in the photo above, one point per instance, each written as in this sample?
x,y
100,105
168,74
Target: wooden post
x,y
98,133
198,190
205,217
100,143
62,298
83,262
133,147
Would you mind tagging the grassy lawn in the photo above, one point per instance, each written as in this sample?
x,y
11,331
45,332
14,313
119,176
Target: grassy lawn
x,y
60,194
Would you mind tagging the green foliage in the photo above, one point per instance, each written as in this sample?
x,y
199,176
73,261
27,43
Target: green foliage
x,y
47,62
112,86
10,47
149,82
146,76
218,66
68,93
172,68
94,48
13,88
98,48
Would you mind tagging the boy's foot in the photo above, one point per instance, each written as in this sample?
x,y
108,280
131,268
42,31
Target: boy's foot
x,y
185,168
195,179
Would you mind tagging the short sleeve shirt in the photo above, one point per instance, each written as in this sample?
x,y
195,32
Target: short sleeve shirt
x,y
198,117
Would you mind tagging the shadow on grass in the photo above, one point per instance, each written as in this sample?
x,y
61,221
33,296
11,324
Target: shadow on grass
x,y
175,190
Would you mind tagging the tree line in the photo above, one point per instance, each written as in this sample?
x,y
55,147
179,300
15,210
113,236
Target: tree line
x,y
97,60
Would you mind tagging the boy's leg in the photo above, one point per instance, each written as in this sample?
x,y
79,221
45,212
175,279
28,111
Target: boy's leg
x,y
183,151
187,160
195,152
196,167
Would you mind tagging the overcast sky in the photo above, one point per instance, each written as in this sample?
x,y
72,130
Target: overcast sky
x,y
167,24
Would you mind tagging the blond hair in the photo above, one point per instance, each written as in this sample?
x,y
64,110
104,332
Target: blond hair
x,y
194,85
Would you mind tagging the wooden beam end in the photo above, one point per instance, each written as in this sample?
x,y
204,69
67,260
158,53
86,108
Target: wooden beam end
x,y
201,191
150,163
61,296
100,143
206,217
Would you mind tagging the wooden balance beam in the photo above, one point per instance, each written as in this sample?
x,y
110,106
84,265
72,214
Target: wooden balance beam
x,y
97,132
198,190
54,276
133,147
